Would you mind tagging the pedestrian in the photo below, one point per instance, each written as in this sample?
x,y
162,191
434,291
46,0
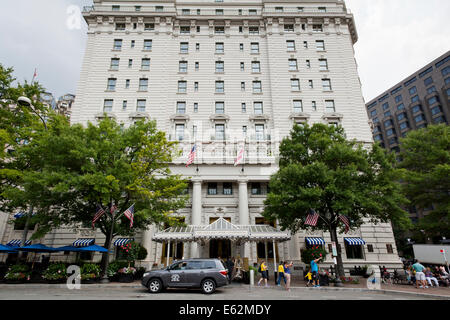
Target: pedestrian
x,y
230,265
309,278
315,272
420,276
281,274
264,273
430,277
287,273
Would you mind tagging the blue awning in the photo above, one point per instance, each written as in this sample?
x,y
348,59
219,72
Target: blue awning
x,y
83,242
22,214
315,241
16,243
122,241
355,241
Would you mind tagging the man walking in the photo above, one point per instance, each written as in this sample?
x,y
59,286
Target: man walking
x,y
281,273
420,275
315,272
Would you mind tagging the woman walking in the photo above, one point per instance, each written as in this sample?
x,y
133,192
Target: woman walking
x,y
287,274
264,272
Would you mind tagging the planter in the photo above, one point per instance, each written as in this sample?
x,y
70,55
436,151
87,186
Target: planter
x,y
126,278
15,281
58,281
89,281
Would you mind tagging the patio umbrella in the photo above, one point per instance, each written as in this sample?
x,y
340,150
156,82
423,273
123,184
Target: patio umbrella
x,y
93,248
6,249
36,248
69,249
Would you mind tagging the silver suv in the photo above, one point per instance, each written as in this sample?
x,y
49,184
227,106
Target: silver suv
x,y
206,274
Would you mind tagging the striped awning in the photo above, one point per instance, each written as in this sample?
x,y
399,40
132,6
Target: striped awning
x,y
122,241
315,241
355,241
17,242
22,214
83,242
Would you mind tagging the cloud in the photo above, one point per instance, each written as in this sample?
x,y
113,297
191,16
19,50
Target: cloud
x,y
396,38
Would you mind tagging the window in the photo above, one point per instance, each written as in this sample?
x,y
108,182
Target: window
x,y
143,84
385,106
183,66
322,9
252,12
219,66
159,8
329,106
388,123
220,87
241,29
195,86
197,66
243,107
416,109
387,114
370,248
311,84
293,65
295,85
115,8
253,30
219,47
244,131
130,63
278,9
140,107
197,47
323,64
401,116
326,84
254,47
353,251
107,105
133,43
431,89
436,110
256,188
241,47
120,26
195,107
308,64
440,119
117,44
401,106
300,9
390,132
433,100
317,28
219,12
298,106
194,132
145,64
179,132
220,108
314,106
320,45
182,86
412,90
398,98
404,125
258,107
212,188
256,67
419,118
147,45
373,113
242,66
111,84
127,84
288,28
428,81
124,104
198,29
389,248
378,137
149,26
185,29
305,44
242,86
445,71
290,45
114,64
259,132
219,30
227,188
220,132
185,12
184,47
257,87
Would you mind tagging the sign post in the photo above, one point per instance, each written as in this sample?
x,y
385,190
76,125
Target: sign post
x,y
445,259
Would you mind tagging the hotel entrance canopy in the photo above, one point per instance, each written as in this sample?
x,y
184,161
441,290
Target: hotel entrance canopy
x,y
221,229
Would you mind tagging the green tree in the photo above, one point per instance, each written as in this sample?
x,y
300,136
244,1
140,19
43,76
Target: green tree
x,y
425,163
320,169
102,164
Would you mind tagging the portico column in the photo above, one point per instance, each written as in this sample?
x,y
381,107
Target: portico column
x,y
244,218
196,217
148,244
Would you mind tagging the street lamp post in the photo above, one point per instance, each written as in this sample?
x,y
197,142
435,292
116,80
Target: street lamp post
x,y
26,102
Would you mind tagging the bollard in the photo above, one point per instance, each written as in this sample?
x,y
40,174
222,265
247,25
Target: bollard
x,y
252,278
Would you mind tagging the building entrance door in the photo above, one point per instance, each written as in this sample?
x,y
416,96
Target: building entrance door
x,y
220,249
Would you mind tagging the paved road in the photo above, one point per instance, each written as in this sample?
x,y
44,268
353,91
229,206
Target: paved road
x,y
234,292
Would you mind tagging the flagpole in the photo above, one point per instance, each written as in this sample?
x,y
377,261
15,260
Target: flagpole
x,y
105,274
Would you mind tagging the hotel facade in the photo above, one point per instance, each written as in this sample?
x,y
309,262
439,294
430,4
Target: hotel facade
x,y
222,75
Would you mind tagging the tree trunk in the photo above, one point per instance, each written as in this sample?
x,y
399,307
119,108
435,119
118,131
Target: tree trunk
x,y
105,257
340,266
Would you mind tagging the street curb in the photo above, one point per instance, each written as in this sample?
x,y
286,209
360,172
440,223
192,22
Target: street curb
x,y
381,291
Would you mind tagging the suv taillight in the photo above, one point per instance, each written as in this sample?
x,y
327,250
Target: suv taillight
x,y
224,272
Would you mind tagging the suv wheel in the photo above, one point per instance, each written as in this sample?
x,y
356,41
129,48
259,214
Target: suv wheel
x,y
155,285
208,286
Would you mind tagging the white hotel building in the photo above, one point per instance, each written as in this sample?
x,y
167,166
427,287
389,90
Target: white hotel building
x,y
220,74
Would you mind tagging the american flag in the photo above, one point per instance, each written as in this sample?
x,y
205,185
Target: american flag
x,y
129,213
312,218
34,75
239,157
345,220
97,215
191,155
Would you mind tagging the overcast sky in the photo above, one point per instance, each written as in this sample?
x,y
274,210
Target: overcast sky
x,y
396,38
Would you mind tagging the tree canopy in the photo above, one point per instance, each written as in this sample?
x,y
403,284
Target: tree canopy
x,y
320,169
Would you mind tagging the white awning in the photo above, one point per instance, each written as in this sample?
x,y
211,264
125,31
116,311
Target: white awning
x,y
315,241
355,241
121,241
83,242
17,243
222,229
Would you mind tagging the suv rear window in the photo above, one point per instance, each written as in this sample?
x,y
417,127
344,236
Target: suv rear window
x,y
195,265
209,265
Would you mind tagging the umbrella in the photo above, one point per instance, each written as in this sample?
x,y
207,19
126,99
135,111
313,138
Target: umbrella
x,y
6,249
69,249
36,248
92,248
